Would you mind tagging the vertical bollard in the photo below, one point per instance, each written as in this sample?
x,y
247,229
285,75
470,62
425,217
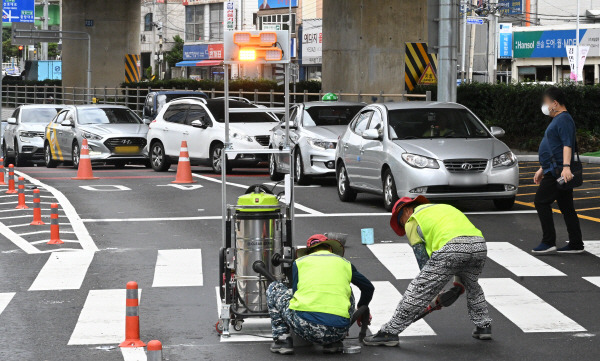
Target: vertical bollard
x,y
37,211
11,180
154,350
2,182
54,232
5,175
132,318
21,204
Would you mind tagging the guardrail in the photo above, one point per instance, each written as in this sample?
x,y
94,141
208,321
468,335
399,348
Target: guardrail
x,y
134,98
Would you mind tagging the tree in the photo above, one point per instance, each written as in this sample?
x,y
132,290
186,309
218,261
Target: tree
x,y
176,54
53,51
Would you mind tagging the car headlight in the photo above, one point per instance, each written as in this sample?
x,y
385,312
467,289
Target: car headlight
x,y
27,136
91,136
242,136
320,144
504,160
419,161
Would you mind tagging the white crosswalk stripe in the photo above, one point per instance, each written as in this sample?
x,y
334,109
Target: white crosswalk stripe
x,y
593,280
524,308
63,271
178,268
519,262
398,258
5,299
382,307
102,318
133,354
592,247
255,329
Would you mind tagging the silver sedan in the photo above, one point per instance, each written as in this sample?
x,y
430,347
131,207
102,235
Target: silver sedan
x,y
115,135
439,150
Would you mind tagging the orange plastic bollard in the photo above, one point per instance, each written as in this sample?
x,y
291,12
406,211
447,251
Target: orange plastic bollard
x,y
154,350
37,211
84,170
21,204
2,182
54,231
132,318
11,180
184,167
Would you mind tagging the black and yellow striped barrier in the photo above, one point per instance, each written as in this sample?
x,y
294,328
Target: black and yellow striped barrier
x,y
133,73
416,60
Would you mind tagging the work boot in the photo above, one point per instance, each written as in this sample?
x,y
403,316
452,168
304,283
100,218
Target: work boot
x,y
283,346
382,339
483,333
336,347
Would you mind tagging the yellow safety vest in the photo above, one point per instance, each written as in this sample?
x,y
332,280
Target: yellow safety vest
x,y
323,284
439,223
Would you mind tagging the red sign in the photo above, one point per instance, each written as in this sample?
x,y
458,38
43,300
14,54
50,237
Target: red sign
x,y
215,51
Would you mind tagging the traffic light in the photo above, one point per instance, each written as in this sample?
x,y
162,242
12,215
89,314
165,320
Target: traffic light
x,y
257,46
20,50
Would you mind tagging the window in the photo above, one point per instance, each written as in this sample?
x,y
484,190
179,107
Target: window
x,y
196,112
106,116
15,114
176,113
277,22
38,115
216,22
434,123
329,115
60,117
376,122
194,22
148,22
361,123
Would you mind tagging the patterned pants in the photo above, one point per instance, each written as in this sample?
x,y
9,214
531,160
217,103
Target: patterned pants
x,y
463,257
283,319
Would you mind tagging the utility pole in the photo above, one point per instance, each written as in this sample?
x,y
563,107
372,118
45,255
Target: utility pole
x,y
472,47
465,5
577,55
1,69
153,46
44,55
492,35
447,54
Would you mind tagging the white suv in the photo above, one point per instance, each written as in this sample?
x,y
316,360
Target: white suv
x,y
201,123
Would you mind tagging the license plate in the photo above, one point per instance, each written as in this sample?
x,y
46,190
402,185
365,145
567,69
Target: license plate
x,y
127,149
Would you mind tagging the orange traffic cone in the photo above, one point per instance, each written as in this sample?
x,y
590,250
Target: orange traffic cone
x,y
184,168
2,182
11,180
84,170
132,317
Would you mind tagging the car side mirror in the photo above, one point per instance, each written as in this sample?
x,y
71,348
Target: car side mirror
x,y
497,132
147,121
66,123
371,134
147,111
11,120
200,123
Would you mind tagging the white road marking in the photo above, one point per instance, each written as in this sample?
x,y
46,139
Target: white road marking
x,y
524,308
46,231
87,243
62,239
15,202
17,240
5,299
299,206
102,318
593,280
398,258
184,187
178,268
252,327
518,261
592,247
383,305
133,354
106,188
23,216
151,219
63,271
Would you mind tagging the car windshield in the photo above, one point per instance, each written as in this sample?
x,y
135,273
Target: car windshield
x,y
38,115
329,115
107,116
217,108
434,123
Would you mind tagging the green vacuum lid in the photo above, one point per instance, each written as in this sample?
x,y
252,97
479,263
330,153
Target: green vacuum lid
x,y
258,199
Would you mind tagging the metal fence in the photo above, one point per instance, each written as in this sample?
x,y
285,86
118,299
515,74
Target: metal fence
x,y
134,98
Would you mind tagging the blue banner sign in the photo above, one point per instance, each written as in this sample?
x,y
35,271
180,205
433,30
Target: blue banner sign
x,y
195,52
553,43
510,7
18,11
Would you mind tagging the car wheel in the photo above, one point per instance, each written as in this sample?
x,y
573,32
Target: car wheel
x,y
50,163
299,176
390,194
345,192
504,204
76,155
273,173
216,154
158,158
7,160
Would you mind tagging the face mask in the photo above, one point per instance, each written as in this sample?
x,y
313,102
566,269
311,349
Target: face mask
x,y
545,109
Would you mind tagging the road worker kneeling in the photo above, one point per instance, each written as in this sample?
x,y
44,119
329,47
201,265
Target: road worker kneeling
x,y
319,306
446,244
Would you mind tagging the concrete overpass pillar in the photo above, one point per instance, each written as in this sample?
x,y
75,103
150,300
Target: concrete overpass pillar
x,y
115,32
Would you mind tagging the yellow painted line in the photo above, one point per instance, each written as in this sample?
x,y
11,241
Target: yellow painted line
x,y
587,209
527,204
578,199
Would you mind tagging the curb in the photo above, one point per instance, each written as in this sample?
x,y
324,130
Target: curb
x,y
534,158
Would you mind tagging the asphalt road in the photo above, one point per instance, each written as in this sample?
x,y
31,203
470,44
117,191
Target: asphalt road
x,y
67,302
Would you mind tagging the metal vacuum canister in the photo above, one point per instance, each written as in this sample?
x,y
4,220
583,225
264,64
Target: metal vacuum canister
x,y
257,237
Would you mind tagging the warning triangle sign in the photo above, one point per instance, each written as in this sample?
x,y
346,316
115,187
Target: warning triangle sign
x,y
428,77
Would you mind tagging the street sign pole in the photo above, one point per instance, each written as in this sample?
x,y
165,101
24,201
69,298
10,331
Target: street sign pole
x,y
1,74
577,55
447,56
464,42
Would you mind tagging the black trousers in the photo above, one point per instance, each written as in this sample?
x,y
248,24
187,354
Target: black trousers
x,y
546,194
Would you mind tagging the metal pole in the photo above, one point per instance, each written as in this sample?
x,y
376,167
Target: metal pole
x,y
45,27
464,41
1,68
472,48
447,51
577,47
491,69
89,68
223,154
153,52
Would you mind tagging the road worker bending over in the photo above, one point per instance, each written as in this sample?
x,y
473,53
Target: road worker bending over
x,y
446,244
319,306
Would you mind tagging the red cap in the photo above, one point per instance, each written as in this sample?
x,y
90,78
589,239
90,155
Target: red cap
x,y
317,239
403,202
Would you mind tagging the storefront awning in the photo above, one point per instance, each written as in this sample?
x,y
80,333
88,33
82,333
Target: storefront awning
x,y
199,63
